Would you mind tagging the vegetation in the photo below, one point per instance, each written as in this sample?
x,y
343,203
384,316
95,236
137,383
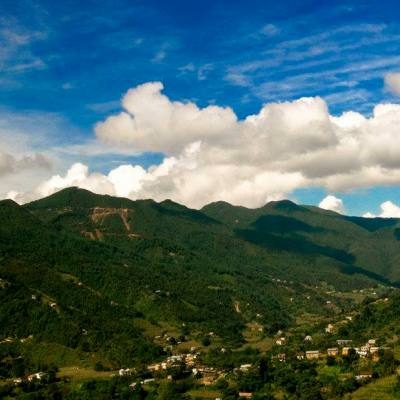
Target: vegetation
x,y
90,284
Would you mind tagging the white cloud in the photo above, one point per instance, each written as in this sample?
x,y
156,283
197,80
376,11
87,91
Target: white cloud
x,y
388,210
16,54
152,122
211,154
392,82
332,203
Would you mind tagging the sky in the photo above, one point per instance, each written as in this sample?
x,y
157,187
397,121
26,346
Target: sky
x,y
245,101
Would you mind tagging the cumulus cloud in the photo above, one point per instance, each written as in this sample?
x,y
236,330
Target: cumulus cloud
x,y
388,210
10,164
392,82
332,203
152,122
210,154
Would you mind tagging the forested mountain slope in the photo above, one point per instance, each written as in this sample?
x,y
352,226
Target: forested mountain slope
x,y
85,271
371,244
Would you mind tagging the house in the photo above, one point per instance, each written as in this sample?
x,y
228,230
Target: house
x,y
308,338
345,351
23,340
343,342
329,328
245,395
374,349
363,351
36,376
146,381
300,356
280,357
281,341
371,342
154,367
133,385
312,355
363,377
245,367
124,372
333,351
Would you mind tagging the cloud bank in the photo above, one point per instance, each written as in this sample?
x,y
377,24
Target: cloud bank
x,y
211,154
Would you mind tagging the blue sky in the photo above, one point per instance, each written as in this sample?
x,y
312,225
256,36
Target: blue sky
x,y
66,64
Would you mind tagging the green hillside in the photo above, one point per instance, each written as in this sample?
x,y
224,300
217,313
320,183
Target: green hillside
x,y
94,281
363,245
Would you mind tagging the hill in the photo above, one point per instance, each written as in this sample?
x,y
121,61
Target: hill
x,y
140,267
90,281
366,245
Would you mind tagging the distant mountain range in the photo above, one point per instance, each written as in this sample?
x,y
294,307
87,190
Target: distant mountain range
x,y
87,271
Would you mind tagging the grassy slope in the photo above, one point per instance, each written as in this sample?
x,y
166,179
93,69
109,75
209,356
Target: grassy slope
x,y
381,389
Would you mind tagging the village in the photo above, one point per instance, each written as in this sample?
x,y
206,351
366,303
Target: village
x,y
187,357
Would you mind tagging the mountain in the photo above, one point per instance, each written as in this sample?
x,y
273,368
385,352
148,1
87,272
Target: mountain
x,y
369,246
97,276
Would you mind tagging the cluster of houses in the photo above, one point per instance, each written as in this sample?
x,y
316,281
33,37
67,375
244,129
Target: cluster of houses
x,y
9,340
370,349
37,376
174,361
190,360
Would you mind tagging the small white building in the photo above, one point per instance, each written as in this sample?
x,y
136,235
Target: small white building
x,y
363,377
281,341
245,367
329,328
36,376
124,372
